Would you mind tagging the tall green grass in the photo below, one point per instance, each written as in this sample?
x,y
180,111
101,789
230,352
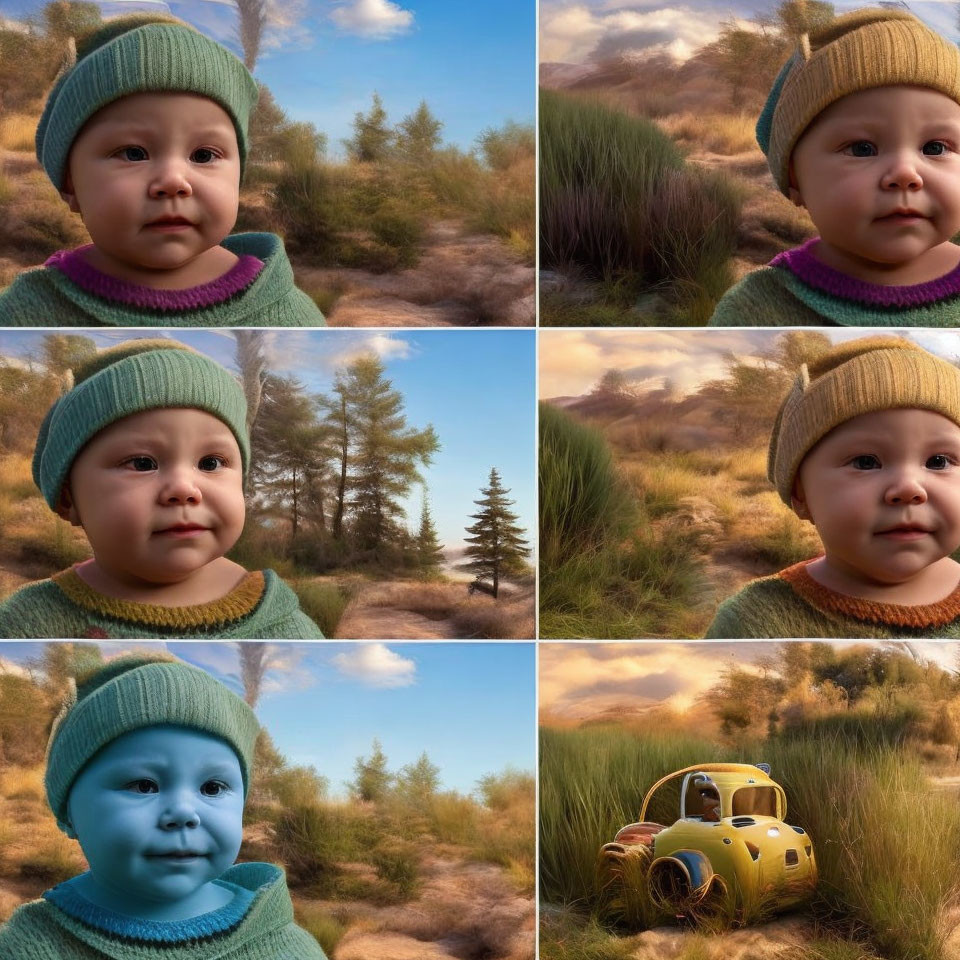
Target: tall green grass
x,y
592,783
886,842
617,199
604,573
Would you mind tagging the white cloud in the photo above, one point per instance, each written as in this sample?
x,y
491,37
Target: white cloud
x,y
372,19
569,33
376,665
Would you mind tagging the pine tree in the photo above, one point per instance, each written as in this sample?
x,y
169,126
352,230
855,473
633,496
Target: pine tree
x,y
496,545
418,782
372,778
429,549
372,137
387,454
418,134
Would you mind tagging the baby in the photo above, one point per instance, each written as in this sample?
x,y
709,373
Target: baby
x,y
145,136
148,766
866,446
148,452
862,127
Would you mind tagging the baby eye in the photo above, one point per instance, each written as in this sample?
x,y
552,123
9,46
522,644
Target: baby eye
x,y
203,155
132,154
939,461
935,148
861,148
141,464
143,786
866,461
213,788
211,463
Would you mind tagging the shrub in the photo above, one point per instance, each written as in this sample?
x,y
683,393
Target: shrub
x,y
311,839
398,866
616,198
598,170
323,603
324,928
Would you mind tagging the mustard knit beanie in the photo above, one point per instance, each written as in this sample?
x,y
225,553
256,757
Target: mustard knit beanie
x,y
129,378
145,53
860,50
857,377
137,691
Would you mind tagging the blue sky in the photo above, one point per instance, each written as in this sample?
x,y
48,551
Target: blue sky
x,y
470,706
579,31
475,386
474,63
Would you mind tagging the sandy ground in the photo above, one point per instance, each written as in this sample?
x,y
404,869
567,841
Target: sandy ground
x,y
462,279
367,619
465,911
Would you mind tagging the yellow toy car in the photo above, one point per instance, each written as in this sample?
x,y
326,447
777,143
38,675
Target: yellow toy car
x,y
730,848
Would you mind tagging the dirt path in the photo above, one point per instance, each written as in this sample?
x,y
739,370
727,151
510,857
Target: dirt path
x,y
462,279
465,911
367,618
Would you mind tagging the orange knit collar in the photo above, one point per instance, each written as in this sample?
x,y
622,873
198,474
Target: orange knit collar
x,y
872,611
239,602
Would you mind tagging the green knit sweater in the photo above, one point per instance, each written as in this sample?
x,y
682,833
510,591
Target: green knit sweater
x,y
46,297
41,931
776,297
260,607
792,604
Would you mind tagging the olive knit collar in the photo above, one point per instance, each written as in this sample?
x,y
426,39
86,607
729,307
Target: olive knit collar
x,y
241,601
830,601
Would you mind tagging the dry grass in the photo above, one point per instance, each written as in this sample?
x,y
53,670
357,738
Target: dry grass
x,y
722,133
510,617
36,222
22,783
17,132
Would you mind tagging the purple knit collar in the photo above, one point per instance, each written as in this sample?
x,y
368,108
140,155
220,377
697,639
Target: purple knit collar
x,y
74,265
801,262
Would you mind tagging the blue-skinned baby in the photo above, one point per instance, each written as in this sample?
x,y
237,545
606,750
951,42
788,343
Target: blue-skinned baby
x,y
148,767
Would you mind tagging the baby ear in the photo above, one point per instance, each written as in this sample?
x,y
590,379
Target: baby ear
x,y
66,508
67,194
793,189
798,501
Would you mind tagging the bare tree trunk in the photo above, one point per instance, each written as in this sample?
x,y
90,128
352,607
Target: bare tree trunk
x,y
342,485
253,666
253,365
253,18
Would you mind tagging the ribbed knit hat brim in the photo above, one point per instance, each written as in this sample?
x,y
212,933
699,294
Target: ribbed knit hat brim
x,y
857,377
163,377
861,50
139,691
154,58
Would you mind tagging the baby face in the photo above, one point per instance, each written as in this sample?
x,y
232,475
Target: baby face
x,y
156,179
159,495
158,814
879,173
883,491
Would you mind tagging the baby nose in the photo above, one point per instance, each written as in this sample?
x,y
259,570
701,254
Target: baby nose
x,y
170,181
906,489
179,814
180,487
902,174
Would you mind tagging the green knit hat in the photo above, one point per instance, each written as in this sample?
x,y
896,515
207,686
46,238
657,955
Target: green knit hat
x,y
130,378
137,691
140,54
861,376
863,49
